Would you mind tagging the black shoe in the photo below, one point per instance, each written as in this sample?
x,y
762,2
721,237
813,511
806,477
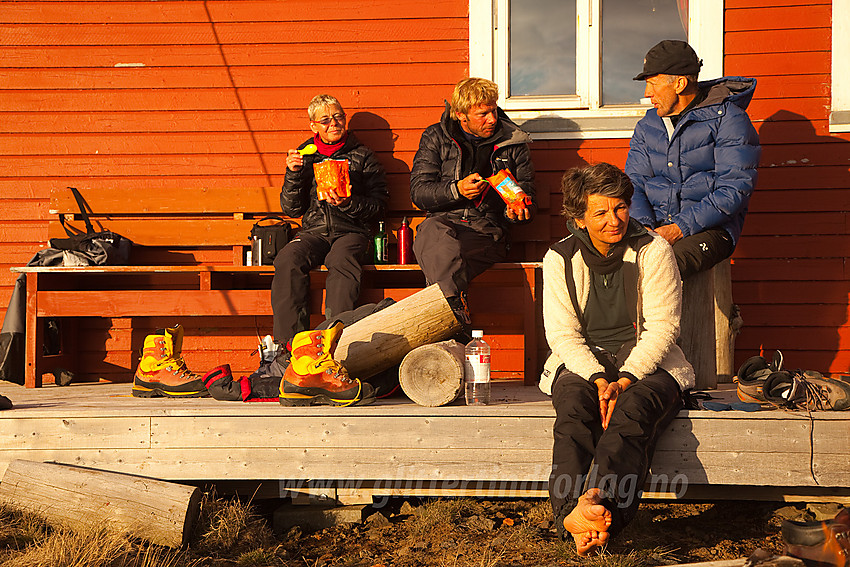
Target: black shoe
x,y
753,373
806,390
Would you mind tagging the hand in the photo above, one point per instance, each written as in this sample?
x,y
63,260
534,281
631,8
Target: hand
x,y
608,393
294,160
338,201
670,232
471,186
523,214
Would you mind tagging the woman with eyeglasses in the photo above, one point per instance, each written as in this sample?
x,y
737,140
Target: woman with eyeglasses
x,y
335,229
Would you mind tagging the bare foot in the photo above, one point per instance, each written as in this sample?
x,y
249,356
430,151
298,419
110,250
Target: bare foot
x,y
589,522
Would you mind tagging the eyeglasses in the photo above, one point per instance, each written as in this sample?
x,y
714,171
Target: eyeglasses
x,y
338,118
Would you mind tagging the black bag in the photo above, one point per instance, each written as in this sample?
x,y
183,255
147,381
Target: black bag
x,y
103,248
270,238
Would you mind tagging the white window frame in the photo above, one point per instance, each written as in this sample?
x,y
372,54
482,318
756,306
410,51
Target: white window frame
x,y
839,116
586,117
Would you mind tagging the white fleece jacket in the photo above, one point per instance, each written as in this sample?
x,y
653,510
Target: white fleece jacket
x,y
659,308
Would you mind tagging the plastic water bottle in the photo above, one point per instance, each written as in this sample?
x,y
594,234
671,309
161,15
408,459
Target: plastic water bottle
x,y
476,371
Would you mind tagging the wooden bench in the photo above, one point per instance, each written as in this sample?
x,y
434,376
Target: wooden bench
x,y
188,261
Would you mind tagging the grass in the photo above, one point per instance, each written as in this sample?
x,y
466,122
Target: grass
x,y
452,532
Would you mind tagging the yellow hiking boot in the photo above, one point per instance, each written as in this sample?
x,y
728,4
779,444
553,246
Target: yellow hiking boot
x,y
162,370
313,377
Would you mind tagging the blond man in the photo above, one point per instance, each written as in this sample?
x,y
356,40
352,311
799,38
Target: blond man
x,y
466,229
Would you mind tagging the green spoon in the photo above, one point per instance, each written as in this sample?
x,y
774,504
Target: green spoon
x,y
308,149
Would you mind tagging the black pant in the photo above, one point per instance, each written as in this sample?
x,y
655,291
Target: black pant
x,y
291,283
452,254
701,251
620,455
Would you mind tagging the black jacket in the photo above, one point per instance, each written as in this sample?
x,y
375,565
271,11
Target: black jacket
x,y
437,169
369,194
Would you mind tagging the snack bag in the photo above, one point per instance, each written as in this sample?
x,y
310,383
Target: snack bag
x,y
332,177
510,191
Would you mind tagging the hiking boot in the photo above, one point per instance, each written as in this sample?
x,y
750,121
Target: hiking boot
x,y
162,370
806,390
460,308
819,544
313,377
753,373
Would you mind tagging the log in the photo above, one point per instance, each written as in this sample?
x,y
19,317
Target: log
x,y
698,327
75,497
709,324
727,322
432,375
381,340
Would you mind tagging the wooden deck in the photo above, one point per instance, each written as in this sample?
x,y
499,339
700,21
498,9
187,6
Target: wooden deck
x,y
398,447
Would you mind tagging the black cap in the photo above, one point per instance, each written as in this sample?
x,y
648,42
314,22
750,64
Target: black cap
x,y
670,57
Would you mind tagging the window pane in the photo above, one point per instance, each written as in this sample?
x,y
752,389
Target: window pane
x,y
542,47
629,29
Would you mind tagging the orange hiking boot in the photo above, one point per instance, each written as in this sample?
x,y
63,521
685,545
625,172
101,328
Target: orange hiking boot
x,y
162,370
313,377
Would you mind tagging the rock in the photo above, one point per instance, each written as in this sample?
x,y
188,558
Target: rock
x,y
824,510
478,523
789,513
377,520
314,517
407,509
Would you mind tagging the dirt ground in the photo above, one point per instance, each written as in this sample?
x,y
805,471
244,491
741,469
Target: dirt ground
x,y
520,533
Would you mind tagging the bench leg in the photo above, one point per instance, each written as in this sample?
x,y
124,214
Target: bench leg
x,y
530,326
34,335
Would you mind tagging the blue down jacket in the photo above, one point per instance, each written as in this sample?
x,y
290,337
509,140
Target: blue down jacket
x,y
703,175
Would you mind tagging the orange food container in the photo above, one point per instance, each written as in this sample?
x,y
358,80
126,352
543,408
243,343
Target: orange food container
x,y
510,191
332,177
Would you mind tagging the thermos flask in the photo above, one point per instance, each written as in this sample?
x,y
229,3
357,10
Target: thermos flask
x,y
405,243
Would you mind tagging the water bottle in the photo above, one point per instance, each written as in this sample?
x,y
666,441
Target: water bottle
x,y
476,371
405,243
380,245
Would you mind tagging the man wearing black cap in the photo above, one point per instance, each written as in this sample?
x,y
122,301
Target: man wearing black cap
x,y
693,157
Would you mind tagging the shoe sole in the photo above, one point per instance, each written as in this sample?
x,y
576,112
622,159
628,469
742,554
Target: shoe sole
x,y
159,392
745,397
292,400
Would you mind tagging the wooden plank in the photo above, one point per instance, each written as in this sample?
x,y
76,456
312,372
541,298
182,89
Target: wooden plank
x,y
222,11
779,64
107,432
176,200
165,99
800,269
804,16
163,34
776,41
287,119
388,74
344,53
796,315
792,246
425,433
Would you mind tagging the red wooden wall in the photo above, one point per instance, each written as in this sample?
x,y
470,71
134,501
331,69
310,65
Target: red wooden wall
x,y
160,95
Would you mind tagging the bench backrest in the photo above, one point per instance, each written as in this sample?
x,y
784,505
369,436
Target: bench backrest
x,y
218,217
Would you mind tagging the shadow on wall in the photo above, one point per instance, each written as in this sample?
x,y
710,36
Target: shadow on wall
x,y
374,131
801,171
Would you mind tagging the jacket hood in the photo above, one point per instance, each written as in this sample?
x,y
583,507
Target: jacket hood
x,y
508,134
737,90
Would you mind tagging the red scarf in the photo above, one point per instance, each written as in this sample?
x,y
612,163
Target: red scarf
x,y
329,149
